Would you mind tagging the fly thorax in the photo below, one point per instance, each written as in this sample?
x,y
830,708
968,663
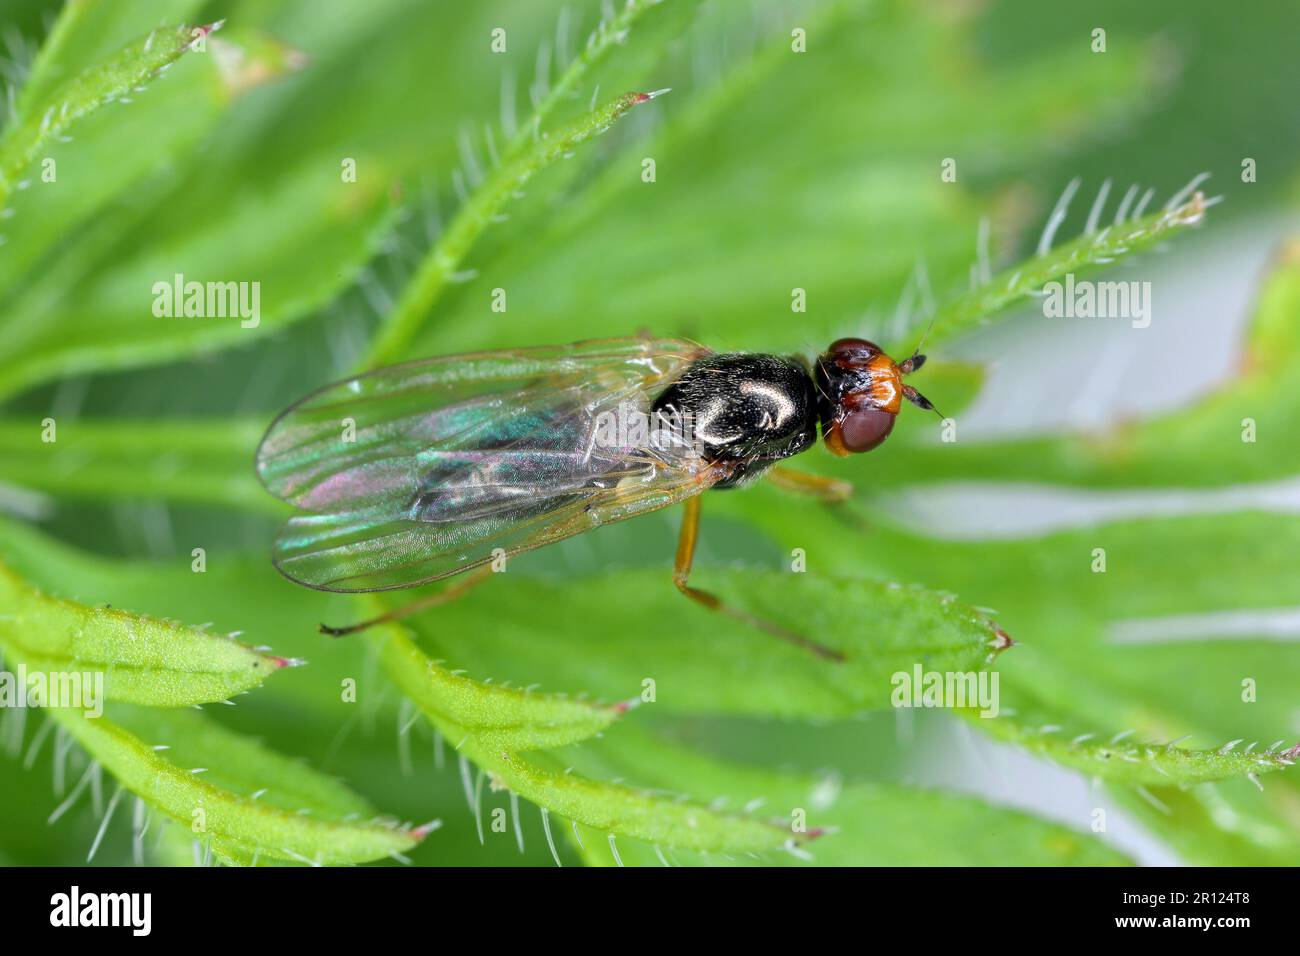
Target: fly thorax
x,y
743,406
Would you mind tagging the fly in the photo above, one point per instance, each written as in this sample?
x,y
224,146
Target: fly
x,y
417,472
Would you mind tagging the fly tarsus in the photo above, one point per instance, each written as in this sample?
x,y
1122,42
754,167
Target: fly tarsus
x,y
449,593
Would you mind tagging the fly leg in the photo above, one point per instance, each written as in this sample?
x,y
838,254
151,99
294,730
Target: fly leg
x,y
449,593
682,572
829,490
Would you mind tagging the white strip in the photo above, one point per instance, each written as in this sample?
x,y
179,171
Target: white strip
x,y
969,511
1280,624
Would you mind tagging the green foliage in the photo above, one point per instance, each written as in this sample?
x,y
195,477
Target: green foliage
x,y
1168,449
644,729
881,628
498,718
491,724
241,800
204,462
144,661
125,73
1121,759
531,149
1113,242
858,823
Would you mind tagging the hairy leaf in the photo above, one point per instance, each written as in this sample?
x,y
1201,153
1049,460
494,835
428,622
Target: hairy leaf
x,y
1113,242
612,807
135,65
1124,759
847,221
529,149
246,801
856,824
1200,446
443,261
498,718
143,660
88,32
704,662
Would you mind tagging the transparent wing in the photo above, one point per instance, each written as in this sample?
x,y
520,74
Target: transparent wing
x,y
420,471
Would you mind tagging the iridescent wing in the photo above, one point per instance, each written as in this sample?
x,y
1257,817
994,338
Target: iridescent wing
x,y
419,471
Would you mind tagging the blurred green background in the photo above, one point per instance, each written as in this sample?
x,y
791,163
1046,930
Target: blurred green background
x,y
774,170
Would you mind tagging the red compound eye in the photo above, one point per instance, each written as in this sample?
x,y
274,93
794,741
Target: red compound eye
x,y
864,429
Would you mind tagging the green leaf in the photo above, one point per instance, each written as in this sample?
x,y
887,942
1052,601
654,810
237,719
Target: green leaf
x,y
121,219
846,220
638,814
135,65
144,660
1122,759
443,261
1063,616
855,824
269,610
1110,244
1188,564
247,802
529,150
1223,825
488,724
87,32
195,461
705,662
498,718
120,331
1196,447
59,228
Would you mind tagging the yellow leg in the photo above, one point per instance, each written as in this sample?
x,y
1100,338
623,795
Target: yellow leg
x,y
830,490
449,593
682,573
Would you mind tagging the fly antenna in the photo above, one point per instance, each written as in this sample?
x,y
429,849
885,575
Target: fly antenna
x,y
924,335
916,359
920,401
